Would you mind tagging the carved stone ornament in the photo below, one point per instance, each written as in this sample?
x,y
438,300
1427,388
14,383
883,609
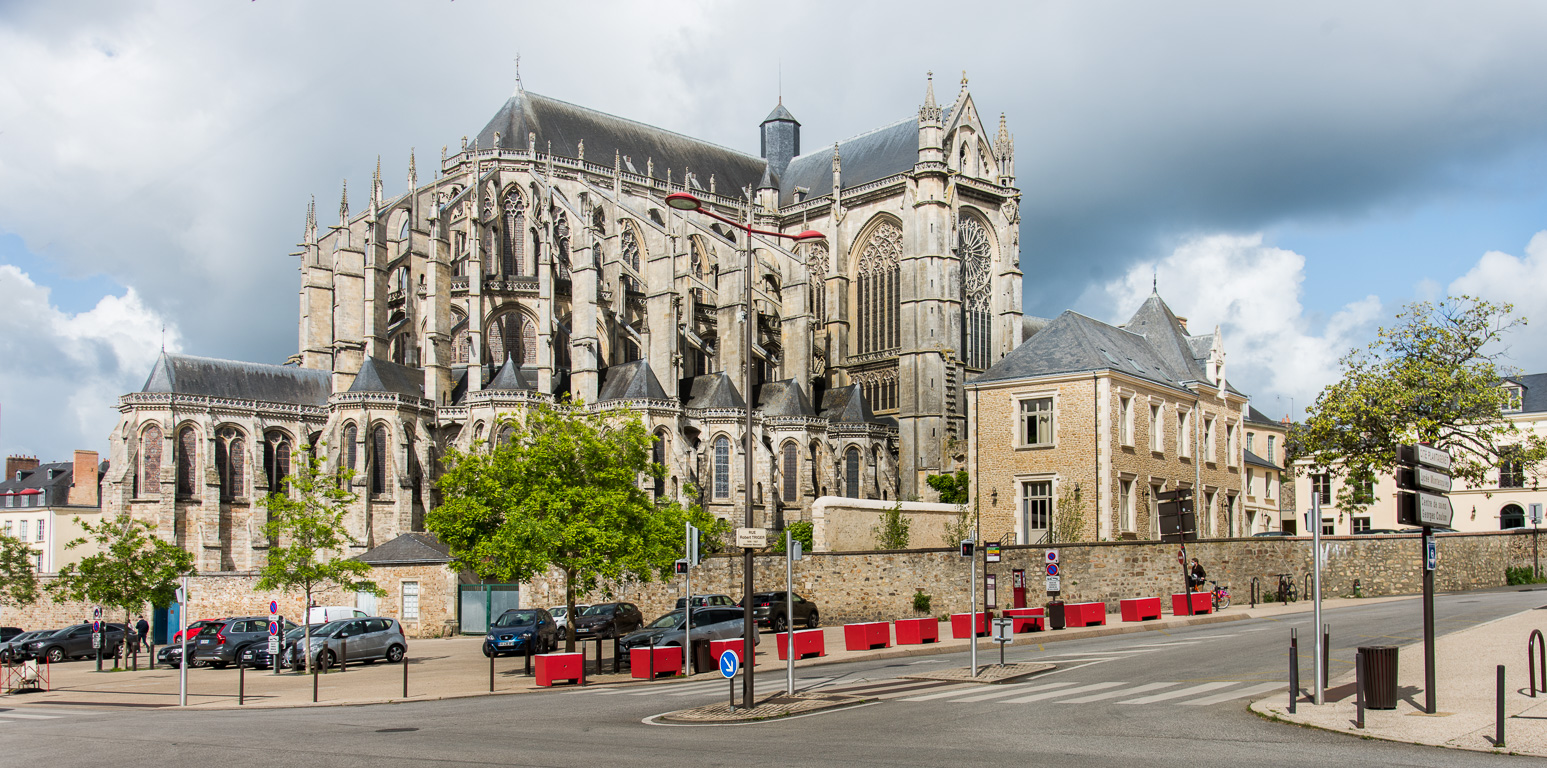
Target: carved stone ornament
x,y
1011,210
883,250
976,254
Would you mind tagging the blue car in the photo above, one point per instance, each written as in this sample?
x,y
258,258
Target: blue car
x,y
520,631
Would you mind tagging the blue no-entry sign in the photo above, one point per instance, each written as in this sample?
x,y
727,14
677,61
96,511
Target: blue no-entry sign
x,y
729,663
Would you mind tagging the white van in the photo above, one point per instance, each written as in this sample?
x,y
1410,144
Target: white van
x,y
322,614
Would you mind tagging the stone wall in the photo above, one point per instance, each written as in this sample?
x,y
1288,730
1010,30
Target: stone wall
x,y
844,525
861,586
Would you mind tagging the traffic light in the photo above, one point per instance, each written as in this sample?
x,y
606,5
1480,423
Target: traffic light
x,y
968,545
681,567
695,539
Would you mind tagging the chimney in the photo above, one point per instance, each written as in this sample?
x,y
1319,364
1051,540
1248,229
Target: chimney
x,y
83,490
1182,321
14,464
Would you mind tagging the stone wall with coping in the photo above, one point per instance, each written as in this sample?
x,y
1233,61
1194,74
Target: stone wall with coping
x,y
844,525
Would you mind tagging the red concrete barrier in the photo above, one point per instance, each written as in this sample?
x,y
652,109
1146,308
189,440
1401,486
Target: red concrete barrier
x,y
867,635
1202,602
559,667
1140,608
961,625
917,631
650,663
1026,624
808,643
718,647
1085,614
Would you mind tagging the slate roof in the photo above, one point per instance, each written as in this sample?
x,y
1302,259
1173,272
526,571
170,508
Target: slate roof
x,y
210,377
55,489
780,113
377,375
566,125
1155,322
1074,343
714,390
512,377
862,159
1534,399
784,398
631,381
1255,416
408,549
846,405
1257,461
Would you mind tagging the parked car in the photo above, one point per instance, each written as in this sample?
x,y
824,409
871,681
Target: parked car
x,y
193,630
365,640
170,655
560,613
322,614
10,648
9,633
608,620
73,642
716,623
257,654
221,644
518,628
768,610
705,601
1379,532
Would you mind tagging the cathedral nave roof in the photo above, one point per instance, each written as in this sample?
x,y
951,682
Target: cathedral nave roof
x,y
232,379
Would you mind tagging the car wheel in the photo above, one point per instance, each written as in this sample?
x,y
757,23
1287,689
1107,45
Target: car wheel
x,y
327,660
778,624
55,655
813,621
395,654
488,650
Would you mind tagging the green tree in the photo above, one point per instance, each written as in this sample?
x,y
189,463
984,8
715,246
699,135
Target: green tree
x,y
130,568
1435,378
891,531
961,528
801,531
953,488
564,492
1069,516
308,538
18,577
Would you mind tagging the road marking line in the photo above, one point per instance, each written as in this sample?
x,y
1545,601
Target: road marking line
x,y
1236,694
30,717
886,686
708,687
1205,687
1010,690
1114,694
1053,694
953,688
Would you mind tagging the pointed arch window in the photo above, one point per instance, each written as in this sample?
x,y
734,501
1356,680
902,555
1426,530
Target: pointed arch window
x,y
515,334
185,454
378,461
976,254
878,296
149,476
512,236
658,456
722,467
276,460
230,461
851,472
351,446
791,478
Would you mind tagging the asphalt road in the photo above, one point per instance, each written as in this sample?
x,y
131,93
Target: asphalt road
x,y
1153,699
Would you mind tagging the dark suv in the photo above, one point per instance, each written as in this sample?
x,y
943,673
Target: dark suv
x,y
768,610
608,620
221,644
72,642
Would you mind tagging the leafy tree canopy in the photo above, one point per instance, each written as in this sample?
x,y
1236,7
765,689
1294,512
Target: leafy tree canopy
x,y
18,579
1435,378
953,488
130,568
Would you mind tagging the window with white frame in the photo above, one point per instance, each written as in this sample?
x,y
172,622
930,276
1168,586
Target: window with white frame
x,y
1251,441
1206,518
1269,457
1184,434
1514,398
8,527
38,562
1230,446
1125,504
1154,510
1036,507
1321,485
40,530
1267,485
410,601
1208,439
1125,420
22,527
1157,429
1037,422
1251,482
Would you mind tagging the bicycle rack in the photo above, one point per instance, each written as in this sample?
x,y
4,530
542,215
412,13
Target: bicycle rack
x,y
1537,642
1254,591
1305,589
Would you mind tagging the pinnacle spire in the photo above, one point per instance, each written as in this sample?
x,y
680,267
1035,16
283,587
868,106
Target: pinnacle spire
x,y
413,173
1004,143
310,236
376,186
930,112
343,205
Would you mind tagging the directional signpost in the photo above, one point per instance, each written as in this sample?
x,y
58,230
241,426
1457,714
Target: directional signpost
x,y
1179,525
1423,479
729,663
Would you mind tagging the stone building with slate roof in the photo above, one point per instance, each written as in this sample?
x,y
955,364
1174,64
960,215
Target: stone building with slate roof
x,y
539,261
44,505
1090,421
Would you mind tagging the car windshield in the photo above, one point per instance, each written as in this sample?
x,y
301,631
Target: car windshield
x,y
516,618
598,610
559,612
329,629
669,621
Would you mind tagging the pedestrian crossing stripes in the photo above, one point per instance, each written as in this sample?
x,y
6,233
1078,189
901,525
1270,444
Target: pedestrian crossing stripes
x,y
1061,692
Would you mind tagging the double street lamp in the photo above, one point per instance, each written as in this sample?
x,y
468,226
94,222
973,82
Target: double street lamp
x,y
683,201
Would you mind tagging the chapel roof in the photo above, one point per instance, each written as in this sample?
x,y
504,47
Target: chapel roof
x,y
870,156
377,375
631,381
408,549
211,377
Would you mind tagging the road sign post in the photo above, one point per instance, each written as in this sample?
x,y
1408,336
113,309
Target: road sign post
x,y
1004,634
1178,524
691,550
182,664
968,551
1536,550
276,630
1423,479
1315,523
728,664
1054,585
792,553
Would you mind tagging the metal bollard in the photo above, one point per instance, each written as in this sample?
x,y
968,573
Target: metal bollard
x,y
1294,669
1254,591
1498,711
1358,689
343,654
241,682
491,669
405,675
1326,656
598,654
150,658
617,660
528,670
314,679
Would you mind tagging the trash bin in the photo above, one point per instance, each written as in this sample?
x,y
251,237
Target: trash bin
x,y
702,661
1055,614
1380,676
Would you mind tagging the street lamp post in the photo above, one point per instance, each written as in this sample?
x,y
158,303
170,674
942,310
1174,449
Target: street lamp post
x,y
683,201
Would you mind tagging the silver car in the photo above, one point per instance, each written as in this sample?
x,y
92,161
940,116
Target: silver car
x,y
714,623
560,614
353,640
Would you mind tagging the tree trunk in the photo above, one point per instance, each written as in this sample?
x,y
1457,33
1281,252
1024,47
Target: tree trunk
x,y
306,633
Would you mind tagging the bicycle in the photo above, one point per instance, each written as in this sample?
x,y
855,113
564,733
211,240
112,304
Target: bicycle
x,y
1286,588
1221,596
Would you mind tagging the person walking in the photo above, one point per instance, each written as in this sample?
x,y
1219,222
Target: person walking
x,y
1197,575
141,628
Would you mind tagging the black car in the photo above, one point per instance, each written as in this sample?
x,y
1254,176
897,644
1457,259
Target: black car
x,y
9,633
221,644
10,649
520,630
608,620
73,642
769,610
170,655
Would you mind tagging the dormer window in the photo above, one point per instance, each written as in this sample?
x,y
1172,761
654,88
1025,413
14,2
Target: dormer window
x,y
1514,398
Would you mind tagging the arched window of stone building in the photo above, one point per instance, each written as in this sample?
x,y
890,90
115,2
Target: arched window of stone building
x,y
515,334
599,221
478,433
230,457
879,302
351,447
149,476
185,455
561,244
513,235
816,268
629,247
402,233
378,461
722,467
851,469
791,476
816,480
276,460
976,254
658,456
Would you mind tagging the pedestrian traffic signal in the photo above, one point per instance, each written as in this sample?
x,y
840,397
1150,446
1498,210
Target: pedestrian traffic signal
x,y
681,567
968,545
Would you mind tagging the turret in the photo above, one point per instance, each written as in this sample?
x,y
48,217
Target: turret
x,y
931,127
780,139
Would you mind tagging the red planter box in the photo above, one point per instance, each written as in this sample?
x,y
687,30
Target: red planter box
x,y
650,663
808,643
1202,602
917,631
559,667
1085,614
1140,608
718,647
866,636
961,625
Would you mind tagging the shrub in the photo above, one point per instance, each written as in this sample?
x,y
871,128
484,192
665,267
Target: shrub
x,y
1523,575
920,601
800,530
891,531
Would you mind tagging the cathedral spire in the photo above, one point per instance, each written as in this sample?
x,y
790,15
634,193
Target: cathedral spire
x,y
310,235
1003,144
343,205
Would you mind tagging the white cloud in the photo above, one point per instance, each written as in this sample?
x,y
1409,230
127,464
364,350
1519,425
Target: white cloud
x,y
1275,352
63,372
1522,281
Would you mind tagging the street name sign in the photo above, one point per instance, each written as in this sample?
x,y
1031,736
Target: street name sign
x,y
751,538
1420,508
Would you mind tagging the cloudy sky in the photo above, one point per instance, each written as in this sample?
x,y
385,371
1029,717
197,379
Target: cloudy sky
x,y
1292,173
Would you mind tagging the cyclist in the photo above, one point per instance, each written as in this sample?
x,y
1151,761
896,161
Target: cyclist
x,y
1198,575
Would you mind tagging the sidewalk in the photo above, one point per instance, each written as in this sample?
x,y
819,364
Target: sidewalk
x,y
455,668
1465,664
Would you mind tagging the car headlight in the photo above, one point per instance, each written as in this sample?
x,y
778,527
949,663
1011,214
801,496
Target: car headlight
x,y
38,644
525,635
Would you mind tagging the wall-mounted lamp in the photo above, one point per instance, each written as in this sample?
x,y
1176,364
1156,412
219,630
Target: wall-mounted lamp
x,y
993,497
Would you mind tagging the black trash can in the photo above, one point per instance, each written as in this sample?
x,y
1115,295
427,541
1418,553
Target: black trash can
x,y
1380,676
701,660
1055,614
